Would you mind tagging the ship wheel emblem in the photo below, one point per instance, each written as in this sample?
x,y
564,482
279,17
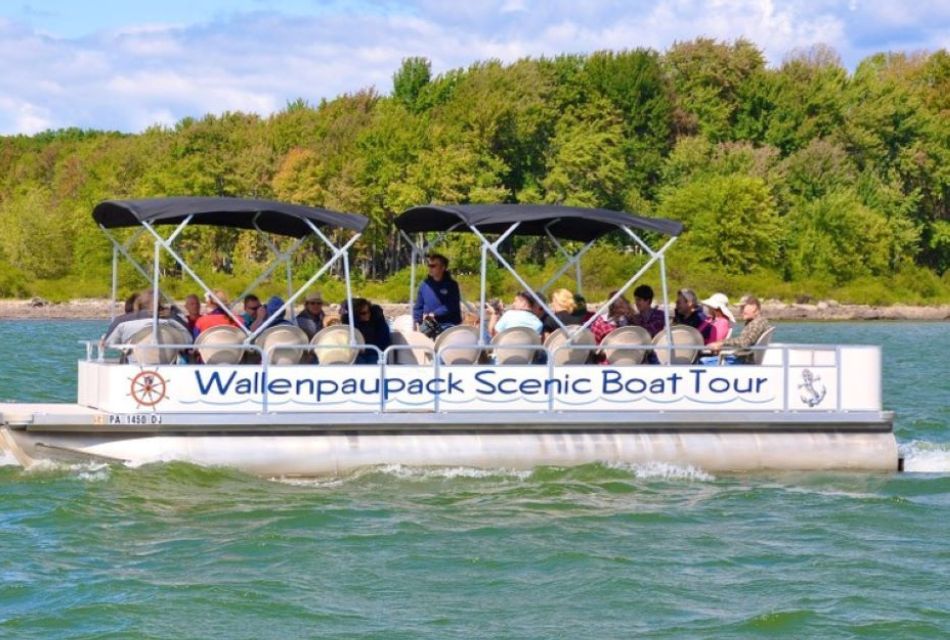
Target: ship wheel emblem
x,y
148,388
812,389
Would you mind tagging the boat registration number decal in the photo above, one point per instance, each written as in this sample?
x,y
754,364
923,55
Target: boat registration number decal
x,y
135,418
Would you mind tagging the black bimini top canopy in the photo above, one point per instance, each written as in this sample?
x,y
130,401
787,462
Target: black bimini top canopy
x,y
270,216
569,223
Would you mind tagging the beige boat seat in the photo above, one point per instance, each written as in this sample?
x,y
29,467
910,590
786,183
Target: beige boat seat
x,y
283,335
687,343
420,354
332,345
582,338
404,324
220,344
169,332
752,356
513,346
458,345
616,346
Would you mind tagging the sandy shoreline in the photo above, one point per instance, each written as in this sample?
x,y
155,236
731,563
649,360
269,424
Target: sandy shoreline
x,y
95,309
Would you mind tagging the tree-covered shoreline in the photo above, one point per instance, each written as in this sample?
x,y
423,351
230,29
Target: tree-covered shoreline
x,y
798,182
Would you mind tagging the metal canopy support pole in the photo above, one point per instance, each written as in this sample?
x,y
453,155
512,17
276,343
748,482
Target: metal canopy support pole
x,y
661,255
666,298
281,256
124,250
115,281
482,329
421,249
336,256
349,296
194,276
346,272
155,277
412,268
572,260
493,247
621,291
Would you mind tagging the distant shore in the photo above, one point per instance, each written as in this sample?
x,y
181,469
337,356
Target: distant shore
x,y
95,309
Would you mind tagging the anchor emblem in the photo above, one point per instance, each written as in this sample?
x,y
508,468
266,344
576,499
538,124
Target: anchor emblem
x,y
813,390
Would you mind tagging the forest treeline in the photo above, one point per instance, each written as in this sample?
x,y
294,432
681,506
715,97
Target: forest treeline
x,y
801,180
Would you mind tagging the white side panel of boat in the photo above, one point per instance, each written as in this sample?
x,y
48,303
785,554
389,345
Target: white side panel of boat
x,y
330,454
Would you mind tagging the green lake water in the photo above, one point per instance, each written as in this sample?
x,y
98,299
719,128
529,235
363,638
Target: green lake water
x,y
178,551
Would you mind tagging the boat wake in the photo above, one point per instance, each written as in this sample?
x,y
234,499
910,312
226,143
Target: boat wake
x,y
926,457
664,471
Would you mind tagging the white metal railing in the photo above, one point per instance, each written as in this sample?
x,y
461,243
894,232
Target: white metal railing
x,y
95,352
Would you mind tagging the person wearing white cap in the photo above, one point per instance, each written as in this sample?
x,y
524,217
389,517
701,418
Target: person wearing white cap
x,y
720,315
755,326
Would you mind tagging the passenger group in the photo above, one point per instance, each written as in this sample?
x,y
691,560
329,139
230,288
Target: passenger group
x,y
438,307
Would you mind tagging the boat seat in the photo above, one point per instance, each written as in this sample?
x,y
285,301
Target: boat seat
x,y
616,346
288,335
582,338
751,356
420,356
335,345
169,332
458,345
220,344
687,344
404,324
513,346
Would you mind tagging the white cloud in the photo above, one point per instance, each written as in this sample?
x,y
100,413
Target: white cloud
x,y
159,72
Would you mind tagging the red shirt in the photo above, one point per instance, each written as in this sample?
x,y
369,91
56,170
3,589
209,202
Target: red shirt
x,y
213,319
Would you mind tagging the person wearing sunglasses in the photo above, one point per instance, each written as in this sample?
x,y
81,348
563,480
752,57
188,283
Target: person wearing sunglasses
x,y
312,317
251,306
370,322
439,301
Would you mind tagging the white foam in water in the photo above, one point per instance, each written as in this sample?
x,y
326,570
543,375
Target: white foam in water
x,y
405,472
926,457
665,471
91,471
450,473
7,459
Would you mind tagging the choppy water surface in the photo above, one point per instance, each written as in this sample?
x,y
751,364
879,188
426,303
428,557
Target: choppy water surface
x,y
177,551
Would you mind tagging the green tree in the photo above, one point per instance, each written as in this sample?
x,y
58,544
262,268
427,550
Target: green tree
x,y
731,221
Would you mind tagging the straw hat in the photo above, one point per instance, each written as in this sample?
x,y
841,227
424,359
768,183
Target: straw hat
x,y
720,301
315,297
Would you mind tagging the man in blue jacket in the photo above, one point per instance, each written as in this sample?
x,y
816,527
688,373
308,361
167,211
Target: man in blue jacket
x,y
439,296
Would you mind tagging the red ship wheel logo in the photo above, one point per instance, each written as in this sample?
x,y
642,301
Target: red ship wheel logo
x,y
148,388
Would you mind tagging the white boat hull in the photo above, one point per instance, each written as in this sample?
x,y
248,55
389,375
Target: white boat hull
x,y
297,447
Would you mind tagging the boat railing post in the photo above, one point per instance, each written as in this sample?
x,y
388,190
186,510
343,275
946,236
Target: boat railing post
x,y
435,369
383,357
838,377
786,376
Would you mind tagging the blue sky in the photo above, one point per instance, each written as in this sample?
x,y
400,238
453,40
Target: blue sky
x,y
128,65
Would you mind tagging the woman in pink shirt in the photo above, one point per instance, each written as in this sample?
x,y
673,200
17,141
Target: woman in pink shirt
x,y
720,316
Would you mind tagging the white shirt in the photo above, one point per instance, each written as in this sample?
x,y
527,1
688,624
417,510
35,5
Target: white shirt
x,y
518,318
